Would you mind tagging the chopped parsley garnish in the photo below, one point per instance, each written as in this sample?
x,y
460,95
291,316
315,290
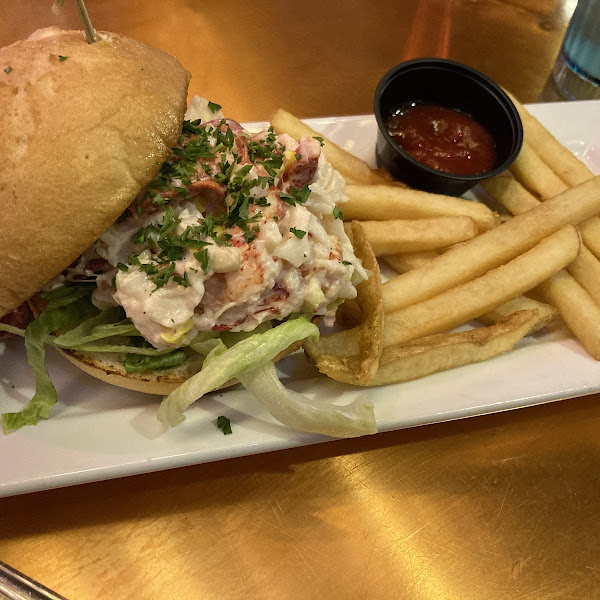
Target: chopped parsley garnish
x,y
184,281
298,232
346,262
224,424
337,213
8,69
231,167
62,58
202,257
296,196
213,107
319,139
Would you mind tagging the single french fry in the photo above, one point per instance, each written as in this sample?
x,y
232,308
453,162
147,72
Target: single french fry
x,y
535,175
350,166
469,300
401,263
493,247
590,234
586,271
563,162
445,351
505,189
417,235
388,202
547,314
576,307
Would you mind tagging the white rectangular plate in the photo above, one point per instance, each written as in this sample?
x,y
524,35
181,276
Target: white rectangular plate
x,y
100,432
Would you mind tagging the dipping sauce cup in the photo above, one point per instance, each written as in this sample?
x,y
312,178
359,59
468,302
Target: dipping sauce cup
x,y
452,85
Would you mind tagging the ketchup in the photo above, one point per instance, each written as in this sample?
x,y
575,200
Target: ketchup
x,y
443,138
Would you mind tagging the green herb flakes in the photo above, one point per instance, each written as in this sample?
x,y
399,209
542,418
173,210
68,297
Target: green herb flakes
x,y
224,424
298,232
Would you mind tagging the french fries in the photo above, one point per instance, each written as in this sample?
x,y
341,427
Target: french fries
x,y
417,235
562,162
536,175
459,261
493,247
449,350
388,202
547,314
469,300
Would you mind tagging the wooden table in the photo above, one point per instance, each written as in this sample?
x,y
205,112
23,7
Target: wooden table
x,y
496,507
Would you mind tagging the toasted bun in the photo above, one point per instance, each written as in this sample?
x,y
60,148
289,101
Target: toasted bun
x,y
110,368
80,138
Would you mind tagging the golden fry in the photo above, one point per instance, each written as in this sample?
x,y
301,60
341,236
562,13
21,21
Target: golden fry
x,y
590,234
387,202
417,235
469,300
449,350
576,307
505,189
401,263
586,267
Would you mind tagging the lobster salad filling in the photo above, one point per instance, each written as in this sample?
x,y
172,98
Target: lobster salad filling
x,y
236,229
229,252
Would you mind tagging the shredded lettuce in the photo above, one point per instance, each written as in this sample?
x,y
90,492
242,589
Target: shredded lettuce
x,y
108,323
67,294
64,312
12,329
305,414
224,364
137,363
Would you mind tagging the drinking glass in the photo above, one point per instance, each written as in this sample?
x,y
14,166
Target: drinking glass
x,y
576,73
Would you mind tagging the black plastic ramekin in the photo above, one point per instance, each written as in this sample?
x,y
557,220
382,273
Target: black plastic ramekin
x,y
453,85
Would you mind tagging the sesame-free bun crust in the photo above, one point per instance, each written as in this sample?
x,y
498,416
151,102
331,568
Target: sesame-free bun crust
x,y
80,139
110,368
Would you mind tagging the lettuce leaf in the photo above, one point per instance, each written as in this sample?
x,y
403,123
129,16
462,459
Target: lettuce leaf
x,y
223,364
137,363
60,314
306,414
108,323
12,329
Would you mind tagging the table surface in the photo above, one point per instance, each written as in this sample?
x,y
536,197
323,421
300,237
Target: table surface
x,y
495,507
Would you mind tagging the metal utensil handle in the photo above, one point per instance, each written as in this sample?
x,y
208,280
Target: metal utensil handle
x,y
16,586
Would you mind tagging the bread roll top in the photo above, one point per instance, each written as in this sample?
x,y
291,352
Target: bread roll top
x,y
85,127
